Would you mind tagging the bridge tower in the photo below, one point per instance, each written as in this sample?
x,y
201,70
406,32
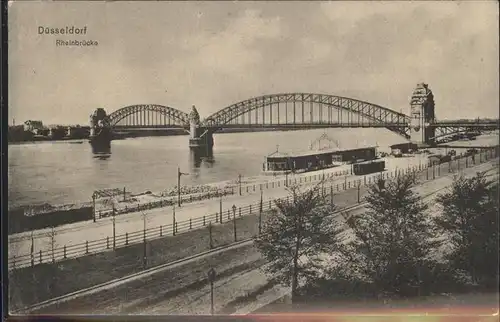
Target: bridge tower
x,y
422,115
100,129
198,136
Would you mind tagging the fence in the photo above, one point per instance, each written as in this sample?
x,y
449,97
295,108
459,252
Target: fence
x,y
248,189
140,236
165,203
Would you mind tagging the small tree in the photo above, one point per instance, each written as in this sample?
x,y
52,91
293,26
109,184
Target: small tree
x,y
296,234
470,218
391,242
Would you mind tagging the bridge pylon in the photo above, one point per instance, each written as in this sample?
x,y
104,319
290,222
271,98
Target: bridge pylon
x,y
199,136
422,116
100,129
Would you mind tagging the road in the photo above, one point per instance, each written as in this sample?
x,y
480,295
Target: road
x,y
20,244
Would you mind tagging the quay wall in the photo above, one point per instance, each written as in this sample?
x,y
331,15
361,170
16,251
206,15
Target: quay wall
x,y
19,222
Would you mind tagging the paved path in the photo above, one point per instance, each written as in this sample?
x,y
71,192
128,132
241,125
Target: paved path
x,y
78,233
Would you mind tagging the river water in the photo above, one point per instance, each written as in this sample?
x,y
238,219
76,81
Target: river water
x,y
63,172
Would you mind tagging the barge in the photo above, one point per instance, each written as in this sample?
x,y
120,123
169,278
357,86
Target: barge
x,y
279,162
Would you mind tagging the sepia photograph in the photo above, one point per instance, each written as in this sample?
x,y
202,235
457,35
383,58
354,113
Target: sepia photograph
x,y
277,160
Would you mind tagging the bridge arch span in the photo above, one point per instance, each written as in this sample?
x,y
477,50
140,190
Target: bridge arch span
x,y
136,115
374,115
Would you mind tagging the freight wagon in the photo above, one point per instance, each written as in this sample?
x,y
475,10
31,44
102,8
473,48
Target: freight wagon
x,y
368,167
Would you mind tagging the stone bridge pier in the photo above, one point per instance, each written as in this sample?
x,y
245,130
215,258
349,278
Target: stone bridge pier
x,y
200,137
100,129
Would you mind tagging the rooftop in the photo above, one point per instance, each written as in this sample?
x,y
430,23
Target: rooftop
x,y
279,154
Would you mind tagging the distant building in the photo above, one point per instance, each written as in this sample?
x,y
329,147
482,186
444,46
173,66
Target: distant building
x,y
33,126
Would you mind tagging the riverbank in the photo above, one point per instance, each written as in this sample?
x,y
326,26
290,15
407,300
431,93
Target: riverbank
x,y
155,294
75,234
132,201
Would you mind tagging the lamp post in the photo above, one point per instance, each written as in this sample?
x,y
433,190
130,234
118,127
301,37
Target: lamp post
x,y
211,278
144,258
234,222
93,206
220,209
114,228
179,174
173,220
32,250
261,206
287,170
359,186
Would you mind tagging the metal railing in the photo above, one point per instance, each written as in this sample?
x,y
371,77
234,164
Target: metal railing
x,y
141,236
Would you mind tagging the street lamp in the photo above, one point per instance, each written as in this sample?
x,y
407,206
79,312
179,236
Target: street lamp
x,y
32,250
220,209
179,174
144,258
261,206
211,278
359,187
114,228
93,205
287,170
239,182
234,221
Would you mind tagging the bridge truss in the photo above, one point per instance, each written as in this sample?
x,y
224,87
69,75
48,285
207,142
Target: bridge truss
x,y
148,116
306,110
448,128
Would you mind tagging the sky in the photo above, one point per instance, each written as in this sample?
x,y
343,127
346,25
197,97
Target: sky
x,y
214,54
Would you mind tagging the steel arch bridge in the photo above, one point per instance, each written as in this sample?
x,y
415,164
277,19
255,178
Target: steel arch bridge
x,y
148,116
288,111
307,110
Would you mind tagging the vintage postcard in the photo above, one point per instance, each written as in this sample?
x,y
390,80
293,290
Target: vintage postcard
x,y
245,158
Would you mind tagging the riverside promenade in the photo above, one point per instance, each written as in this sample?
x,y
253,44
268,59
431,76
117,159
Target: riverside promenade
x,y
89,237
182,288
77,233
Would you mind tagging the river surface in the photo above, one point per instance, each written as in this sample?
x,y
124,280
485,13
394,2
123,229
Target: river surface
x,y
64,172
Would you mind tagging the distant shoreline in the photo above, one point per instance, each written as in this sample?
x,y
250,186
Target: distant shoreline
x,y
147,134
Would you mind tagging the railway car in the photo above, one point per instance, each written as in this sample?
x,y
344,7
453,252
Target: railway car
x,y
368,167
